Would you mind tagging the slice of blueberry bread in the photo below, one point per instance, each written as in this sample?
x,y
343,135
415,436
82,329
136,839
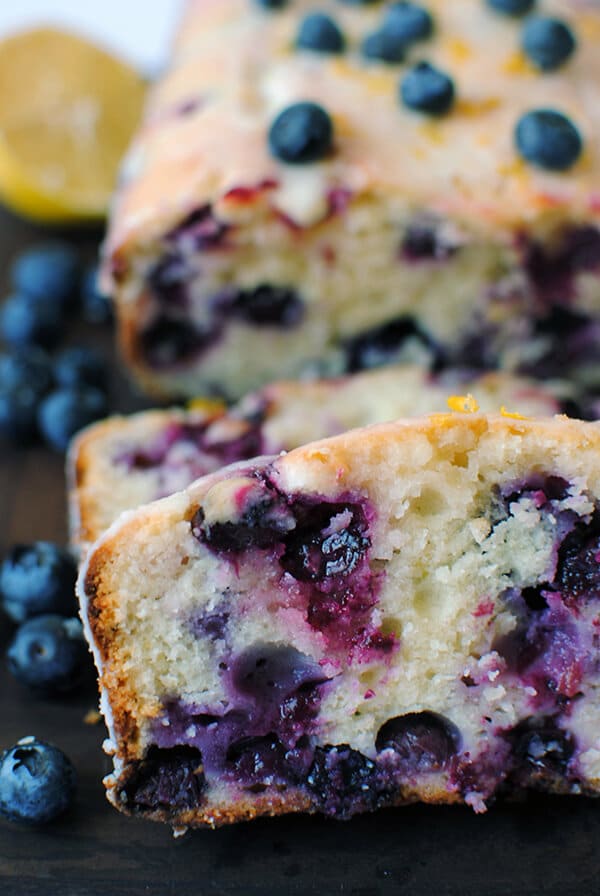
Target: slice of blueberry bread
x,y
127,461
341,186
404,612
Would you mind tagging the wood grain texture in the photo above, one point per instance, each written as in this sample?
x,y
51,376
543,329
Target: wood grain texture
x,y
545,846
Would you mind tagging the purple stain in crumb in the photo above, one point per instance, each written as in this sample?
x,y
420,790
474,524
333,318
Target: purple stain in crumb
x,y
552,271
421,741
548,650
323,546
168,281
210,625
168,780
159,453
263,731
570,340
199,232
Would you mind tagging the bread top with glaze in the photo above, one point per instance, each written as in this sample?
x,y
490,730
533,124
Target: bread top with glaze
x,y
235,66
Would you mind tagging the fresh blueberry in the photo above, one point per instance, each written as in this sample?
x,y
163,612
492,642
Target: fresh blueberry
x,y
320,33
422,741
272,4
548,139
18,414
38,578
30,367
30,320
49,271
48,654
67,410
409,21
512,7
426,89
37,782
96,306
548,43
359,2
301,133
80,366
384,45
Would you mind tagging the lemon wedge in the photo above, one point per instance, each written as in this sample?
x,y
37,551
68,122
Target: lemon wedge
x,y
68,110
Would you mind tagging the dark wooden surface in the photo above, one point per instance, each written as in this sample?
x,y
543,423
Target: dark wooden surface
x,y
548,846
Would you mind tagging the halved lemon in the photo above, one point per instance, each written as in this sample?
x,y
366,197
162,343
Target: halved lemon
x,y
68,110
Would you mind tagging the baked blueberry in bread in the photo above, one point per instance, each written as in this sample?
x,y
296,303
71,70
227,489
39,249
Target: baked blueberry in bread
x,y
327,184
404,612
123,462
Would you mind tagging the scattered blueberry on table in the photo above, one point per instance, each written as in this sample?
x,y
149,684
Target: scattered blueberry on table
x,y
80,365
37,578
49,271
67,410
49,286
27,319
37,782
18,414
96,306
29,366
48,654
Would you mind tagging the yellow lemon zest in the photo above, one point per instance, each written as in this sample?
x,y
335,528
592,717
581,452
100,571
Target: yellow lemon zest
x,y
465,404
207,405
512,414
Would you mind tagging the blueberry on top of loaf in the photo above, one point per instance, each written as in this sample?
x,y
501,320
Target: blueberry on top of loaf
x,y
478,50
267,209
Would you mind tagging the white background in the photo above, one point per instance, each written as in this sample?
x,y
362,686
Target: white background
x,y
139,30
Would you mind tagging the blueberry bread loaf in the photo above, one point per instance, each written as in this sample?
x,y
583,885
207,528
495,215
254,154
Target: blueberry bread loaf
x,y
404,612
123,462
341,186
